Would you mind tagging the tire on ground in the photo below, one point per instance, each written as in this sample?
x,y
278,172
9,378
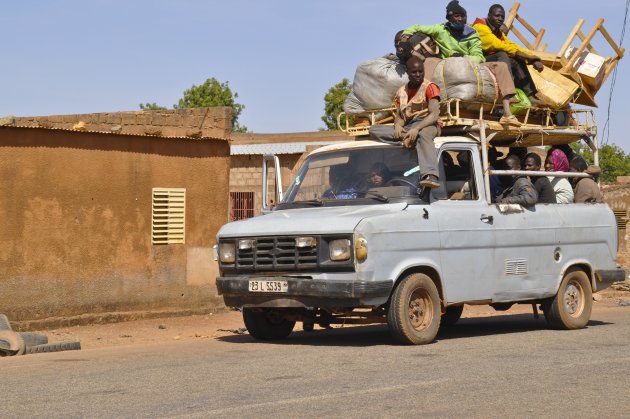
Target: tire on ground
x,y
4,323
451,315
68,345
33,338
571,307
267,324
413,316
11,343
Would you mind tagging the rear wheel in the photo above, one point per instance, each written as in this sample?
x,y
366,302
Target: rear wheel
x,y
451,315
267,324
414,310
571,307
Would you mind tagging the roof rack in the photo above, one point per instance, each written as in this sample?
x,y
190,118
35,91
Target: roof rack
x,y
458,118
478,121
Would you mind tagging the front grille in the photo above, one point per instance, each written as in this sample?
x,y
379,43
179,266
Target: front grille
x,y
276,254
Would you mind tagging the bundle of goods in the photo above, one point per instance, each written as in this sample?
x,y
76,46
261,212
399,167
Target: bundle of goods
x,y
462,78
375,85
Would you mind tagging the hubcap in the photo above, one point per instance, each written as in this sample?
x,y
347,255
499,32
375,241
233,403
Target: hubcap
x,y
420,309
573,299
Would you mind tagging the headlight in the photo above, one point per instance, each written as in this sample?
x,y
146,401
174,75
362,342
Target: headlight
x,y
227,253
246,244
340,249
360,248
305,242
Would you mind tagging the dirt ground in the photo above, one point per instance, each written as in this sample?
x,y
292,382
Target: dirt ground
x,y
222,324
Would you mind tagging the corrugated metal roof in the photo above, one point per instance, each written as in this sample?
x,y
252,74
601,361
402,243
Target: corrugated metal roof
x,y
179,137
275,148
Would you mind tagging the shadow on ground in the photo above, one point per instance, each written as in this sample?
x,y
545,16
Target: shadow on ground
x,y
378,335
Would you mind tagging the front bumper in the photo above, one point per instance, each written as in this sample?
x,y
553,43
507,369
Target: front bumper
x,y
305,292
605,277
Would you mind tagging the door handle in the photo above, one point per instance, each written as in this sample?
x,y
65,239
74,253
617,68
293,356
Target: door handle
x,y
487,218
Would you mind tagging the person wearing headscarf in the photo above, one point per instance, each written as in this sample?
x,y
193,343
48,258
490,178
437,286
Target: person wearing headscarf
x,y
455,38
557,161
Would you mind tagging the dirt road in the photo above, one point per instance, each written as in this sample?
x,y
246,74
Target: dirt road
x,y
225,324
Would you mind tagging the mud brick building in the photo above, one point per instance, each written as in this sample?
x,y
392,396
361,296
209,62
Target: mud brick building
x,y
111,212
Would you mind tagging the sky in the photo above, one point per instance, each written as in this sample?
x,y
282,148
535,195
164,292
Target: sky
x,y
280,56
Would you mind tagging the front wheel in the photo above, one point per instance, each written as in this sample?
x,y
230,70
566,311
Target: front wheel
x,y
414,310
267,324
571,307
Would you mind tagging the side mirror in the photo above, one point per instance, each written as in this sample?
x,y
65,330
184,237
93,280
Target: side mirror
x,y
277,193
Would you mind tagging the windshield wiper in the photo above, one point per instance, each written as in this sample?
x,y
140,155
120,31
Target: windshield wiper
x,y
315,202
377,196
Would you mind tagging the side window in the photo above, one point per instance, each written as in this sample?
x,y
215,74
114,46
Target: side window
x,y
460,175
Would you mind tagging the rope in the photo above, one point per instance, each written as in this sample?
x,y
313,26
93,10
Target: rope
x,y
606,129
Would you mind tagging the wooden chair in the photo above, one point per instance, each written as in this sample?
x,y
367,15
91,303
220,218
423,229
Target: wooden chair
x,y
558,61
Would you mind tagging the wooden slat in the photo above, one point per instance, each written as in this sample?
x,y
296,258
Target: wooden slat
x,y
522,38
571,37
590,47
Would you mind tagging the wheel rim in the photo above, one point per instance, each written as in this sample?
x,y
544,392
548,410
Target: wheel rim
x,y
420,309
574,299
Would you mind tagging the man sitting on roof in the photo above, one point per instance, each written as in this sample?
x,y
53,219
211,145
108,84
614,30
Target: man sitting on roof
x,y
417,111
456,39
497,46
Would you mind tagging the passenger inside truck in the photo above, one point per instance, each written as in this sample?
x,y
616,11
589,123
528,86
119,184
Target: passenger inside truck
x,y
460,181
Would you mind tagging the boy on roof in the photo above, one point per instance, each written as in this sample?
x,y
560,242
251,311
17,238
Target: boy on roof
x,y
417,111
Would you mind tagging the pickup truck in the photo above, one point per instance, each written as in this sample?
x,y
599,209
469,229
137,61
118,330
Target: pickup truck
x,y
412,259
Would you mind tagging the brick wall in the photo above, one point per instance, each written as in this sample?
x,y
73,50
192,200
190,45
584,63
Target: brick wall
x,y
246,175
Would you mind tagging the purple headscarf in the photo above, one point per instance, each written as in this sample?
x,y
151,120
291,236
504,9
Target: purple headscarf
x,y
560,161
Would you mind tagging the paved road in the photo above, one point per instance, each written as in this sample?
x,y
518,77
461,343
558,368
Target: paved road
x,y
504,366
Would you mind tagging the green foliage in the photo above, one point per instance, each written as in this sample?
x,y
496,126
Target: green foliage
x,y
152,107
612,160
210,93
213,93
333,103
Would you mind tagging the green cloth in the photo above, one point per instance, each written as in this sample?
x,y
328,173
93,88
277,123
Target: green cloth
x,y
469,45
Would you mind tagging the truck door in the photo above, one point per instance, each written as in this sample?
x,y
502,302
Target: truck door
x,y
466,230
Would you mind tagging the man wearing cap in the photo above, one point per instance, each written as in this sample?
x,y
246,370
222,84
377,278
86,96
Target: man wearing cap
x,y
456,39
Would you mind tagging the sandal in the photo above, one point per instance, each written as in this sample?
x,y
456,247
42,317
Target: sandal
x,y
510,120
430,181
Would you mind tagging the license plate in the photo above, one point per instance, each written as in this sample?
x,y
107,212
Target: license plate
x,y
268,286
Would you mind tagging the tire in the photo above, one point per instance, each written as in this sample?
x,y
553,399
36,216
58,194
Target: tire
x,y
451,315
68,345
308,326
33,339
267,324
413,316
11,343
4,323
571,307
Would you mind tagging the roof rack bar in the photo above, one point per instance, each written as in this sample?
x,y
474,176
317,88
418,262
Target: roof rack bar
x,y
537,173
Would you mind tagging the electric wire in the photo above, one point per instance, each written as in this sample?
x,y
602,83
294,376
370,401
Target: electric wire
x,y
613,79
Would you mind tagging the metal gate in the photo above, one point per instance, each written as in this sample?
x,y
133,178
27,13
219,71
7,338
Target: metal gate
x,y
241,205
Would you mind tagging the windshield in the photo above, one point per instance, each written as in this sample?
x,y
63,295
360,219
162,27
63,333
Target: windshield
x,y
356,176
